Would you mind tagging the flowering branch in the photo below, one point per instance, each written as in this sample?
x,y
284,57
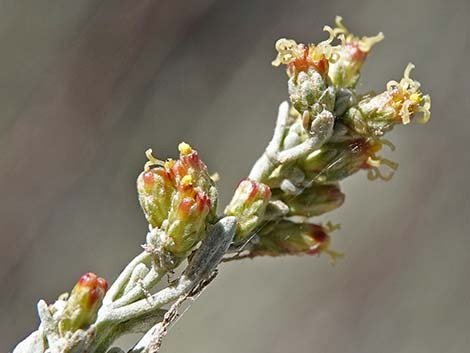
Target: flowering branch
x,y
323,134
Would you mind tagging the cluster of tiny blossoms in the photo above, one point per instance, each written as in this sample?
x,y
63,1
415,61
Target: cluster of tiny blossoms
x,y
179,200
326,133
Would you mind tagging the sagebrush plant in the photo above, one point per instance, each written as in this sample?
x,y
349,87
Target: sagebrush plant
x,y
323,134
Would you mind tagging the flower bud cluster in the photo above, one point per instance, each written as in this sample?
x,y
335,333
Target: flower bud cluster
x,y
360,120
179,200
329,133
326,133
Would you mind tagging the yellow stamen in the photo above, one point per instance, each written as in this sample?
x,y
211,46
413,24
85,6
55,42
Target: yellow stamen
x,y
374,173
343,34
366,43
373,162
169,164
415,98
405,112
187,180
425,109
184,148
408,69
152,161
391,164
288,50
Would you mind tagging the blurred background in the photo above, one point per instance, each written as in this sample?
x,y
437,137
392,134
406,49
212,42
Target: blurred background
x,y
87,86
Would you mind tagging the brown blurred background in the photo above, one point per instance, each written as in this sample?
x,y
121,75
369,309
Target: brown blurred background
x,y
86,86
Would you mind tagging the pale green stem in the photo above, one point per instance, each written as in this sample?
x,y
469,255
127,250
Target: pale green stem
x,y
120,283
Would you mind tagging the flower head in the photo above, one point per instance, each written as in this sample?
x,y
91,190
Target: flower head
x,y
300,57
179,198
349,55
341,63
83,303
307,68
402,101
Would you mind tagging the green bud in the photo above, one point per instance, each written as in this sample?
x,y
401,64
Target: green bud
x,y
335,161
248,205
313,201
155,189
309,88
307,68
187,220
83,303
289,238
341,158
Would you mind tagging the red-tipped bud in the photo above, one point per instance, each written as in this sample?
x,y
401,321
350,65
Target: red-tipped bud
x,y
83,303
189,168
186,221
248,205
288,238
155,189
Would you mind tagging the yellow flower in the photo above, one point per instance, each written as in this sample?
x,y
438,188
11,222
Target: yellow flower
x,y
374,115
349,55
